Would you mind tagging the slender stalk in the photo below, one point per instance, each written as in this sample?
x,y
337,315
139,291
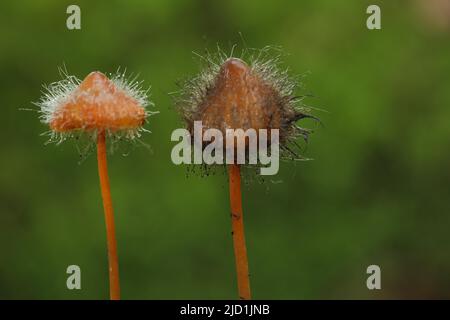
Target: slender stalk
x,y
114,286
240,249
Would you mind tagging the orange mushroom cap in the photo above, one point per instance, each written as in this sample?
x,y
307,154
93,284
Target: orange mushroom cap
x,y
98,104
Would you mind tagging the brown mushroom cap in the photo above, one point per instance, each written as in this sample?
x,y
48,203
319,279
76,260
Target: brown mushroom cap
x,y
98,104
240,99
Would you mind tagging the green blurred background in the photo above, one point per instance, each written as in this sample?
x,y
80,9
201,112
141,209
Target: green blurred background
x,y
376,193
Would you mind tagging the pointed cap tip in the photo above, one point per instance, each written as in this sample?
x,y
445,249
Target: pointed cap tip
x,y
235,66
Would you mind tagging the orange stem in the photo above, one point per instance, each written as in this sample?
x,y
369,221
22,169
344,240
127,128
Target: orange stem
x,y
240,249
114,286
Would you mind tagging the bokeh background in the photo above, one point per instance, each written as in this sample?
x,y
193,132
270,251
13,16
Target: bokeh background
x,y
377,191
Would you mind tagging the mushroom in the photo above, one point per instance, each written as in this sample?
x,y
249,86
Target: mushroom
x,y
230,94
100,107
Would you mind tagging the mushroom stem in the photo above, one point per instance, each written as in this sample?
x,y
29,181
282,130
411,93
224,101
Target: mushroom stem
x,y
114,287
240,249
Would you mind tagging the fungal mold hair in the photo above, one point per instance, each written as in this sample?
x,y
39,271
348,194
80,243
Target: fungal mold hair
x,y
115,92
266,66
